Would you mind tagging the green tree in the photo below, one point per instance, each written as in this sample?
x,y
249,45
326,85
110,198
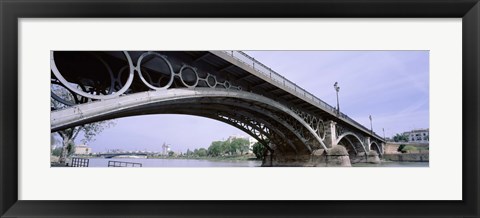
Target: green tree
x,y
230,148
400,138
258,149
202,152
171,153
409,148
57,151
68,135
216,149
195,152
240,144
89,132
400,148
53,143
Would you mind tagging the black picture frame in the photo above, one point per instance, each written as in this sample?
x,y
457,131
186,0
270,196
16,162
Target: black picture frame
x,y
11,11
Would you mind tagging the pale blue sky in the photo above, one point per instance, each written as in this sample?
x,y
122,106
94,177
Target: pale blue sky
x,y
392,86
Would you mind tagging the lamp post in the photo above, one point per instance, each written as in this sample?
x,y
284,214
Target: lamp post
x,y
371,126
337,89
383,129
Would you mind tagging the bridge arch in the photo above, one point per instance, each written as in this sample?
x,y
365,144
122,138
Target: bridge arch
x,y
359,147
376,147
352,146
258,128
160,101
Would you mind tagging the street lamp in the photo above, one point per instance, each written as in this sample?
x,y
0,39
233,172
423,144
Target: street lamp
x,y
383,134
337,88
371,126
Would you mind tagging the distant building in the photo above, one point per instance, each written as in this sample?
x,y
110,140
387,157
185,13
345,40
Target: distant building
x,y
165,149
418,135
82,150
251,141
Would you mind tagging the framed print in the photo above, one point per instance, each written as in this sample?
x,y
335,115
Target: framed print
x,y
319,93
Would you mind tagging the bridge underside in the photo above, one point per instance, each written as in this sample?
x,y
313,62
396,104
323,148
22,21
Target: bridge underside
x,y
254,115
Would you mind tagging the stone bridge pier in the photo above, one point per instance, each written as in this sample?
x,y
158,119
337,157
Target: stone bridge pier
x,y
339,152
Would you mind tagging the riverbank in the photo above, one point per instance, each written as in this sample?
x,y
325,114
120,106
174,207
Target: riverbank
x,y
407,157
236,158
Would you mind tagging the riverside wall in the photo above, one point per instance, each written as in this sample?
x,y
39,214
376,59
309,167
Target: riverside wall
x,y
407,157
392,147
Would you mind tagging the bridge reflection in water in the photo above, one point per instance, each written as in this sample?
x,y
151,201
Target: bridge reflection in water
x,y
297,128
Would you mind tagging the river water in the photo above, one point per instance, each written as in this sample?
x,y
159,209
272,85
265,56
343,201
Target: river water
x,y
100,162
393,164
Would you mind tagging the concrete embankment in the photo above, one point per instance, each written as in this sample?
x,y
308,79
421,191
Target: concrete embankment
x,y
408,157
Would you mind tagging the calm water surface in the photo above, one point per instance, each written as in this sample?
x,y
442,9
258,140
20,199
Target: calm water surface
x,y
178,162
94,162
393,164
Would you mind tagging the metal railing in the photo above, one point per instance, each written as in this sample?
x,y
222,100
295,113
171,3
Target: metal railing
x,y
79,162
123,164
287,84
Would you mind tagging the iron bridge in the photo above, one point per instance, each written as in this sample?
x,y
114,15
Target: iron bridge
x,y
228,86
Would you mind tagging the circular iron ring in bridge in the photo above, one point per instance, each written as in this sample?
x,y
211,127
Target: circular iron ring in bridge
x,y
211,81
147,75
321,129
72,87
314,123
226,84
192,70
118,80
140,73
112,79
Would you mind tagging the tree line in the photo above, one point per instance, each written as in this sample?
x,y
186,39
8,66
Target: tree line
x,y
230,147
400,138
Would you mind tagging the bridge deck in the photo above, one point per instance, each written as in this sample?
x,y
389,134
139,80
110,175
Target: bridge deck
x,y
261,76
232,66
